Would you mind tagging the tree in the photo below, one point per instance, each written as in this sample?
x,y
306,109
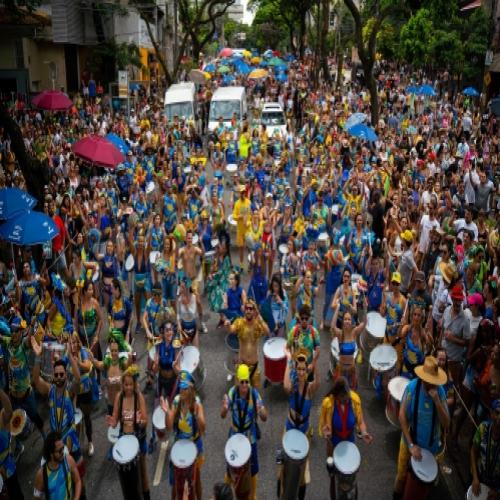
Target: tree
x,y
417,38
378,10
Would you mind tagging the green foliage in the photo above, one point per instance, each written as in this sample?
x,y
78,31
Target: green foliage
x,y
124,54
417,38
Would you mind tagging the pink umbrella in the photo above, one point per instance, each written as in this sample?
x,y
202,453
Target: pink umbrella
x,y
99,151
226,52
52,100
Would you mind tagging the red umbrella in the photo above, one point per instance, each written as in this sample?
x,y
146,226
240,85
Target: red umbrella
x,y
98,150
52,100
227,52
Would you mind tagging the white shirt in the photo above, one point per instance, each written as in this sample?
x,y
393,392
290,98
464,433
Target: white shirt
x,y
426,225
461,224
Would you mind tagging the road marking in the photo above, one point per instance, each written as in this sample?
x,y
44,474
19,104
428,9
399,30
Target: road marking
x,y
160,463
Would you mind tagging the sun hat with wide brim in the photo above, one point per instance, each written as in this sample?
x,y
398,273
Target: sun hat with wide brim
x,y
448,271
430,372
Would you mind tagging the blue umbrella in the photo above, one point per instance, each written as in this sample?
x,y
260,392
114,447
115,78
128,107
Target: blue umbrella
x,y
119,143
281,67
411,89
227,79
355,119
134,86
268,53
281,77
14,201
263,63
289,57
29,228
426,90
210,68
363,131
242,67
471,92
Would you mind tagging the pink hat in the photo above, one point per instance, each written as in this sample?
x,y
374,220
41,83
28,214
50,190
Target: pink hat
x,y
476,299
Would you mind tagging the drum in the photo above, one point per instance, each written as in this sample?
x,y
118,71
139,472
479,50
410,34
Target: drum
x,y
339,366
125,456
422,474
214,242
383,363
209,256
150,187
355,278
296,447
78,417
20,425
374,332
159,424
232,350
274,359
396,389
95,276
323,238
51,352
237,452
153,256
483,494
183,455
129,263
283,249
152,353
346,459
231,220
191,362
196,238
231,168
113,434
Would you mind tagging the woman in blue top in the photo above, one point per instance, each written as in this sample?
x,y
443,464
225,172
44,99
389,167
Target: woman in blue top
x,y
234,298
165,363
274,309
109,270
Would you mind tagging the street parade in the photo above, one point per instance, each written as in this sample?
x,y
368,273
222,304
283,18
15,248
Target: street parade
x,y
249,286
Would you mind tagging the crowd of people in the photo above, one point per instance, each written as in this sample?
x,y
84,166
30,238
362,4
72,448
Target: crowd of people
x,y
327,228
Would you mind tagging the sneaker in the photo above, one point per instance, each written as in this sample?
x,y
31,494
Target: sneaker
x,y
91,449
204,328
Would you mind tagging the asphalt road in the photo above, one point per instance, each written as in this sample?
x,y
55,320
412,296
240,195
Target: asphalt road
x,y
375,477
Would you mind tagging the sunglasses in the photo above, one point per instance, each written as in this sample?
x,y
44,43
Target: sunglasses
x,y
244,382
304,318
394,283
59,450
249,309
59,375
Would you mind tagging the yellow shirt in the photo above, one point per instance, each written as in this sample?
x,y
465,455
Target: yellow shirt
x,y
248,330
325,417
241,213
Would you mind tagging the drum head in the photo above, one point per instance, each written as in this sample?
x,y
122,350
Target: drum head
x,y
159,418
78,416
17,421
152,353
231,220
375,324
397,386
237,450
335,209
214,242
275,348
183,453
346,457
125,449
295,444
426,469
95,276
232,167
209,254
483,494
56,347
323,237
150,187
190,358
113,434
383,358
283,249
195,239
153,256
129,263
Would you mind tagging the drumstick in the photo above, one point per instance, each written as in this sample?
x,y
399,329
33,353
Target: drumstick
x,y
465,406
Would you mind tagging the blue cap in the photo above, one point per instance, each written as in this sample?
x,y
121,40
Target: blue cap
x,y
185,380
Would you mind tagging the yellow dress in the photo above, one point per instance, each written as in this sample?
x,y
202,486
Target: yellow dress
x,y
241,214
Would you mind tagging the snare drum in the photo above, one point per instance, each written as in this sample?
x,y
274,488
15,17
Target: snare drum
x,y
231,168
339,369
422,474
383,363
483,494
125,456
274,359
346,459
374,332
129,263
150,187
191,362
159,424
183,455
237,452
231,220
396,389
214,242
51,352
20,425
296,447
283,248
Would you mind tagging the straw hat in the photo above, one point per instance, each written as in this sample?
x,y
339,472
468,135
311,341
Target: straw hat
x,y
448,270
430,372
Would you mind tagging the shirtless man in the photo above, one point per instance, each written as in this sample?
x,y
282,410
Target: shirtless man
x,y
187,256
249,330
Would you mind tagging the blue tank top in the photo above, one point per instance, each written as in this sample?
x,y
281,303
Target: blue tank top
x,y
302,407
234,299
59,482
341,432
166,356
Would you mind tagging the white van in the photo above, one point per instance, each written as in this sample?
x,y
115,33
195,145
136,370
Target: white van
x,y
180,100
273,118
226,102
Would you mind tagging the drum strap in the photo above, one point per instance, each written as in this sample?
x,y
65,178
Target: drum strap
x,y
414,426
298,418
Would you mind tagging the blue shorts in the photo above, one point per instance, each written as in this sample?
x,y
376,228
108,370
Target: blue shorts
x,y
142,282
